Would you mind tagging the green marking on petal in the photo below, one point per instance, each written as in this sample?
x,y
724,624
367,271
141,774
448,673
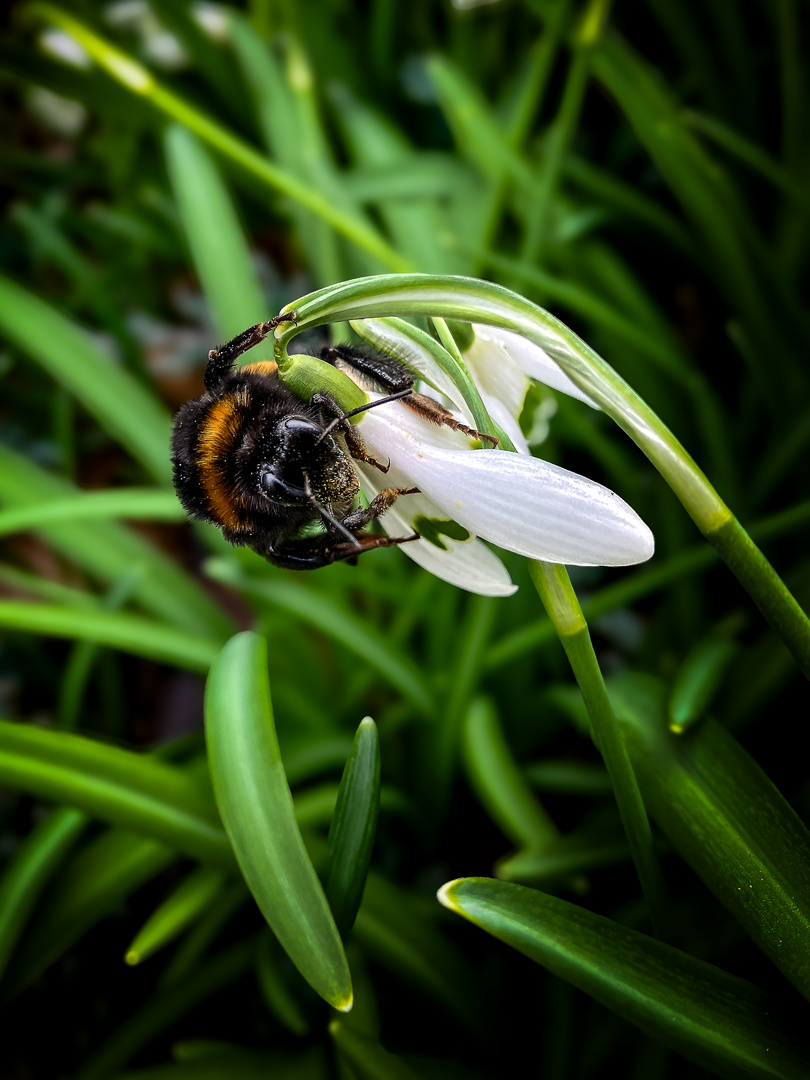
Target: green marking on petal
x,y
433,529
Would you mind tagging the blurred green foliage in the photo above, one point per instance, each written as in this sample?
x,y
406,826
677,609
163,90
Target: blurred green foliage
x,y
642,171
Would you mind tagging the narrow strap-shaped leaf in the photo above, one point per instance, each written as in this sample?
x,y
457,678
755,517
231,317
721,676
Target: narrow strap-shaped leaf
x,y
697,680
274,988
107,549
95,882
123,406
499,783
31,869
119,786
154,504
329,617
141,81
162,1010
213,233
711,1017
256,806
727,820
115,629
368,1059
354,826
180,908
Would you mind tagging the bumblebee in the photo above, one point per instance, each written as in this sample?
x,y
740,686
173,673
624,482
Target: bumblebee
x,y
265,467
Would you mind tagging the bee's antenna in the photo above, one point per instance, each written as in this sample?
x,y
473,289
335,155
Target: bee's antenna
x,y
330,518
363,408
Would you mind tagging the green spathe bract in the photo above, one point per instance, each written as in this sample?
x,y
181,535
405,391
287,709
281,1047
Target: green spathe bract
x,y
256,806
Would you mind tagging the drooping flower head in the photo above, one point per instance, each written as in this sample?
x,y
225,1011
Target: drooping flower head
x,y
469,494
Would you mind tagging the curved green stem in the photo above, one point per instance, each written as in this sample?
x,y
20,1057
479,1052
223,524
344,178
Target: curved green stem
x,y
560,601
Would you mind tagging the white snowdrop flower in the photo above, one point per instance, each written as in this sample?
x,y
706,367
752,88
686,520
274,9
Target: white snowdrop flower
x,y
514,501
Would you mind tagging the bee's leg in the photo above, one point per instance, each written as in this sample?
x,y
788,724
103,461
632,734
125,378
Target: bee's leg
x,y
381,372
220,361
437,414
363,516
354,441
311,553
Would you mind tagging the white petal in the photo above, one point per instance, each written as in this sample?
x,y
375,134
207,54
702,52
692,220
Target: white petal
x,y
469,564
531,359
519,503
496,372
501,415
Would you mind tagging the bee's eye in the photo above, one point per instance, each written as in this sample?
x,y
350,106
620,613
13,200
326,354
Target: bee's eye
x,y
286,490
295,430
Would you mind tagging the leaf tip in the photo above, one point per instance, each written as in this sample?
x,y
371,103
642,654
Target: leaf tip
x,y
444,894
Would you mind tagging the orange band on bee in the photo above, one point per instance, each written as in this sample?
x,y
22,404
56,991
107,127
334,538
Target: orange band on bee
x,y
218,435
262,367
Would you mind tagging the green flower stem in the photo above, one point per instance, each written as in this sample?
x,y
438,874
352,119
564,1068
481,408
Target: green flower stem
x,y
765,587
634,586
471,300
139,80
559,599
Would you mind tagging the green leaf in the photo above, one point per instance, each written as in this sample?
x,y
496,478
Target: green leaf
x,y
139,80
329,618
116,629
31,869
697,681
218,247
131,790
109,550
354,826
188,901
274,985
727,820
149,504
256,806
103,874
499,783
126,410
715,1019
368,1059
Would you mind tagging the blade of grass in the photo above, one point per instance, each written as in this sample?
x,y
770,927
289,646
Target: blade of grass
x,y
338,623
108,550
130,790
182,907
499,784
122,405
148,504
30,870
114,629
218,246
139,80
